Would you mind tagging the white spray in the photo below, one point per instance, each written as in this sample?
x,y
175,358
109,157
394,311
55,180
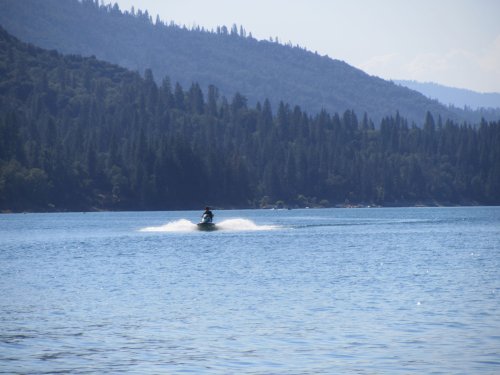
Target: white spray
x,y
184,225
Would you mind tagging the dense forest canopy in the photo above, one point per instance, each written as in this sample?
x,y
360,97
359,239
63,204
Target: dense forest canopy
x,y
77,133
227,57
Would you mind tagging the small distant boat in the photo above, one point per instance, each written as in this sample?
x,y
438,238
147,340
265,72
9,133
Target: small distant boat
x,y
206,224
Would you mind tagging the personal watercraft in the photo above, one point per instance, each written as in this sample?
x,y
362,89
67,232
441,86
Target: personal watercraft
x,y
206,223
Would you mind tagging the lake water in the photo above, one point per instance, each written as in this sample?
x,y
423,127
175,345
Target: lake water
x,y
319,291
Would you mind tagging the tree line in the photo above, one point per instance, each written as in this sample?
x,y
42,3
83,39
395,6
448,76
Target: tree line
x,y
79,134
228,57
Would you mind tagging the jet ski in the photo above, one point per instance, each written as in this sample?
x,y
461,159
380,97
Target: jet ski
x,y
206,223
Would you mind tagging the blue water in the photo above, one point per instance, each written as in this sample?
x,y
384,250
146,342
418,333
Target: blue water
x,y
320,291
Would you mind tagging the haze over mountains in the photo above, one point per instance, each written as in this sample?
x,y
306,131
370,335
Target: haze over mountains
x,y
230,59
454,96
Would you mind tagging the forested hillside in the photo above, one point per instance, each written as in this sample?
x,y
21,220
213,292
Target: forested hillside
x,y
77,134
230,59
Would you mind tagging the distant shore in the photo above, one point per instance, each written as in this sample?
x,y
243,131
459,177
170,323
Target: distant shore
x,y
267,207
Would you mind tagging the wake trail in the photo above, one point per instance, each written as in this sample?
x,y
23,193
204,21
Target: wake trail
x,y
181,225
235,225
243,225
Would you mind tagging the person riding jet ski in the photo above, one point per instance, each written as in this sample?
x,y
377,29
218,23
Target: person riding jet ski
x,y
207,216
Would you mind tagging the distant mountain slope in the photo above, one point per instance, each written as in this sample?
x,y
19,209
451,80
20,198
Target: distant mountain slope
x,y
454,96
228,59
77,133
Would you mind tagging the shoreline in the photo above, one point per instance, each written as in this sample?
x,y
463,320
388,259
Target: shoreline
x,y
269,207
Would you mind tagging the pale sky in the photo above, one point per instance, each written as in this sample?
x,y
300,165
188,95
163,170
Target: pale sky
x,y
452,42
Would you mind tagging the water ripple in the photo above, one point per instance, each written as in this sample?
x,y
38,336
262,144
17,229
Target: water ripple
x,y
278,292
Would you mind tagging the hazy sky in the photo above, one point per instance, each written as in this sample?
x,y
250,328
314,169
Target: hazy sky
x,y
452,42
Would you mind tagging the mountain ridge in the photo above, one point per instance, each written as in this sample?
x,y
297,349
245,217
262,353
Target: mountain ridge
x,y
78,133
454,96
226,59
